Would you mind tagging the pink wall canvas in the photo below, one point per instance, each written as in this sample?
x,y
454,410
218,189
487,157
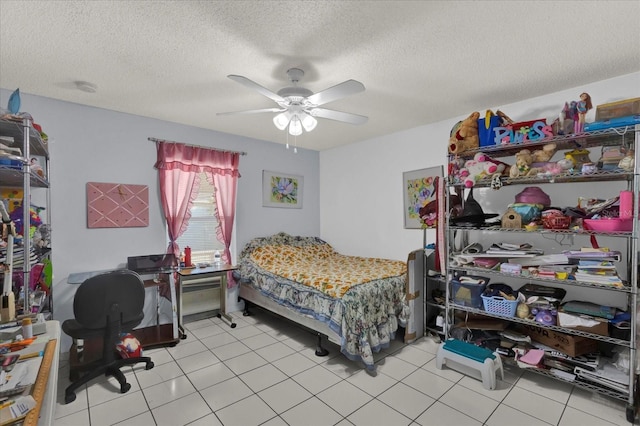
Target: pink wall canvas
x,y
117,205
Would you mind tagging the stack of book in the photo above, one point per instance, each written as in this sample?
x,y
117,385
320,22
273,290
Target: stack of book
x,y
596,267
598,271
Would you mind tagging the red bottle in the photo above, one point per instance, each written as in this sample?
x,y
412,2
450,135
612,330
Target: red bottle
x,y
187,256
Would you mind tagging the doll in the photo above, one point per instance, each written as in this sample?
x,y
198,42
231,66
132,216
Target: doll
x,y
582,107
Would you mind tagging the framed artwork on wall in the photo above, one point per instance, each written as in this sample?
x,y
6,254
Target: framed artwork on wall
x,y
282,190
420,190
117,205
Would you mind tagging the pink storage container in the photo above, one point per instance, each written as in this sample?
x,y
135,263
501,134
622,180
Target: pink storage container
x,y
612,224
533,195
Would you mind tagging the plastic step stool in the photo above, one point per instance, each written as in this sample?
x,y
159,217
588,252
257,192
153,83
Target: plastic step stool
x,y
471,360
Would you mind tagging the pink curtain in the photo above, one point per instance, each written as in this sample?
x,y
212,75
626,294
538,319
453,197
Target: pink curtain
x,y
178,167
225,212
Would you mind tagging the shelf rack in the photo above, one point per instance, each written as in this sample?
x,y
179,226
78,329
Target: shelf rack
x,y
22,131
628,137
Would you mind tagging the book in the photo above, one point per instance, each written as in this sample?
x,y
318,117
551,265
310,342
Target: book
x,y
595,264
548,259
602,255
599,279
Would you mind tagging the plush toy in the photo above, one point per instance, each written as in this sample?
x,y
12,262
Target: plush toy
x,y
17,219
464,135
129,346
627,163
543,155
558,168
480,167
522,166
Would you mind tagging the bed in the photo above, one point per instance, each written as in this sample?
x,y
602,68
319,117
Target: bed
x,y
357,302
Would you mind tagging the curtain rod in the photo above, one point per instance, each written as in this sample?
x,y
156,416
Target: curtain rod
x,y
198,146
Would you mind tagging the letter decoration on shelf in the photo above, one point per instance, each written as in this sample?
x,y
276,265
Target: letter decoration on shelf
x,y
537,132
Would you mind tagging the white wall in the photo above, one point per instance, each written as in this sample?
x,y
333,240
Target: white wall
x,y
361,200
95,145
359,211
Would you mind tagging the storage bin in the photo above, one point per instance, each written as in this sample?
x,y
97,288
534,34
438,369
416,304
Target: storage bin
x,y
8,162
618,109
485,129
467,290
499,305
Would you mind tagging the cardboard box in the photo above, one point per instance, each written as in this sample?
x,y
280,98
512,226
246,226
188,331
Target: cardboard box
x,y
601,328
565,343
618,109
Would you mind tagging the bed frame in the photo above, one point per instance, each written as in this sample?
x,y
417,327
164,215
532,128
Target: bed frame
x,y
415,299
252,295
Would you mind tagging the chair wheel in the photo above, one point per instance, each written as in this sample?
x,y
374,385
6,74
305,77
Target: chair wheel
x,y
69,397
125,388
149,365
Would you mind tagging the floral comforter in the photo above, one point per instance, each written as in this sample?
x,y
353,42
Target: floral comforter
x,y
361,299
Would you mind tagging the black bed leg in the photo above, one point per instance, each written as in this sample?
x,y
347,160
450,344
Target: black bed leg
x,y
245,312
320,351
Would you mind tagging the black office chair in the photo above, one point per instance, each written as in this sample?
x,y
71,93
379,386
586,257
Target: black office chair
x,y
105,306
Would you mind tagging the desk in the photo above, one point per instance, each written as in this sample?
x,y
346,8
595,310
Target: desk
x,y
45,391
203,277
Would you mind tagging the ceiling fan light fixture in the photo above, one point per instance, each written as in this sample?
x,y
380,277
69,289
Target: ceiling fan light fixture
x,y
298,107
309,123
295,126
282,120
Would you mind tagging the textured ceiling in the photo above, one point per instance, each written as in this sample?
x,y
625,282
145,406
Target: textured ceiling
x,y
420,61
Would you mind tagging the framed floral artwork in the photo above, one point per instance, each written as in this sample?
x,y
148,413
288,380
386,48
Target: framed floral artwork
x,y
282,190
420,202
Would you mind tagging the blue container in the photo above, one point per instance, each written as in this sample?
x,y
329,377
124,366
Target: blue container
x,y
10,163
485,130
467,290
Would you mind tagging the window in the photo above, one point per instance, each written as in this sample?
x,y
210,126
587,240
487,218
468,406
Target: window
x,y
201,233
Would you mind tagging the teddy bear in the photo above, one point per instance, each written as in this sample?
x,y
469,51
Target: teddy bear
x,y
522,166
544,155
480,167
464,135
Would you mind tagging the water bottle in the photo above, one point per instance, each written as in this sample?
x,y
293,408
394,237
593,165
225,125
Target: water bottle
x,y
187,256
217,257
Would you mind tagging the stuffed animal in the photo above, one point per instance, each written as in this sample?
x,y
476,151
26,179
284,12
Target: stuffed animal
x,y
557,168
480,167
522,166
627,163
464,135
543,155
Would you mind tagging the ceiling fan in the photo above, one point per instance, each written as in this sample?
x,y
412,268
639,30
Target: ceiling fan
x,y
298,107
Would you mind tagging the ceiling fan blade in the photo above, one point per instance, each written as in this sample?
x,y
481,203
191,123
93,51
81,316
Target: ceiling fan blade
x,y
255,86
338,115
342,90
253,111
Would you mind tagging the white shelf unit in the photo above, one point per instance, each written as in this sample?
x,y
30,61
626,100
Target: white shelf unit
x,y
23,177
628,241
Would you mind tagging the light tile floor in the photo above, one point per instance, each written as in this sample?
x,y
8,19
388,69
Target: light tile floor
x,y
265,372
